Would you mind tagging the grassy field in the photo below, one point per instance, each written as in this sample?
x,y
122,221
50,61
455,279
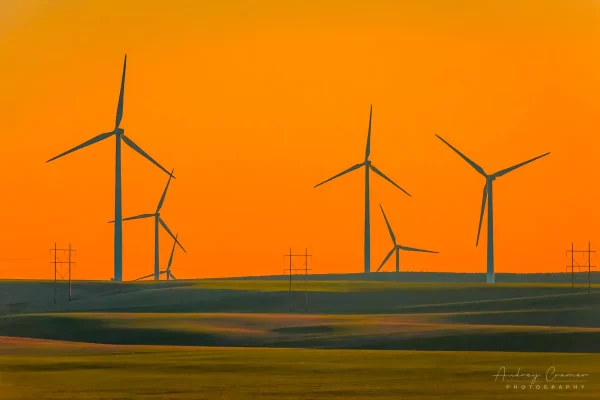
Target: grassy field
x,y
55,370
371,315
431,331
323,297
120,338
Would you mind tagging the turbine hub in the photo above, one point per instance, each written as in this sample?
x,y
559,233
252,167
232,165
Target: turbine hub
x,y
119,131
367,162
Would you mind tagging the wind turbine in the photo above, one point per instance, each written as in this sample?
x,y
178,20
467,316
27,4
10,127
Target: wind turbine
x,y
368,166
397,247
168,270
157,220
487,195
119,134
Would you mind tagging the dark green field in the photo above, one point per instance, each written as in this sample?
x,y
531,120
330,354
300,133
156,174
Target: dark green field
x,y
323,297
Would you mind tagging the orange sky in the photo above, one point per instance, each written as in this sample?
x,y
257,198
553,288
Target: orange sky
x,y
253,103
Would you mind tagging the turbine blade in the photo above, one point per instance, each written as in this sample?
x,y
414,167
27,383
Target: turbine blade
x,y
357,166
137,148
172,276
164,225
136,217
121,95
144,277
387,179
162,199
172,252
507,170
415,249
386,258
93,140
471,163
481,215
368,151
388,225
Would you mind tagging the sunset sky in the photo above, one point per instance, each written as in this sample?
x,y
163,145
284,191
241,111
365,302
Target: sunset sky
x,y
255,102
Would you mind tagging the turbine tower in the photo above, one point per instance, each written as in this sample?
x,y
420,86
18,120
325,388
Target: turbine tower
x,y
119,135
168,270
397,247
487,195
157,220
368,167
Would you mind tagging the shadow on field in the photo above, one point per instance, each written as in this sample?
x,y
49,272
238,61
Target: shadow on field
x,y
303,331
96,331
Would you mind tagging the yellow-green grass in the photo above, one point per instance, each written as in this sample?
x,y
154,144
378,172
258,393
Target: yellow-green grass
x,y
55,370
441,331
298,283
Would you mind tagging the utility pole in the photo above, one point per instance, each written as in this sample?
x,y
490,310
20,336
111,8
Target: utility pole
x,y
69,271
54,272
305,269
290,271
589,251
305,280
57,261
590,266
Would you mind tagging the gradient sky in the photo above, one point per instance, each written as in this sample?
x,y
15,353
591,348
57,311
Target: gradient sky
x,y
255,102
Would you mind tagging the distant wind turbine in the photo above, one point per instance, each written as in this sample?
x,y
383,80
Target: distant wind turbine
x,y
119,135
397,247
158,220
487,195
368,166
168,270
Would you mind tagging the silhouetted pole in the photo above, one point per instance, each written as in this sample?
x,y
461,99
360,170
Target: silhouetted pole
x,y
54,272
290,279
305,269
56,261
290,269
69,271
590,268
305,281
